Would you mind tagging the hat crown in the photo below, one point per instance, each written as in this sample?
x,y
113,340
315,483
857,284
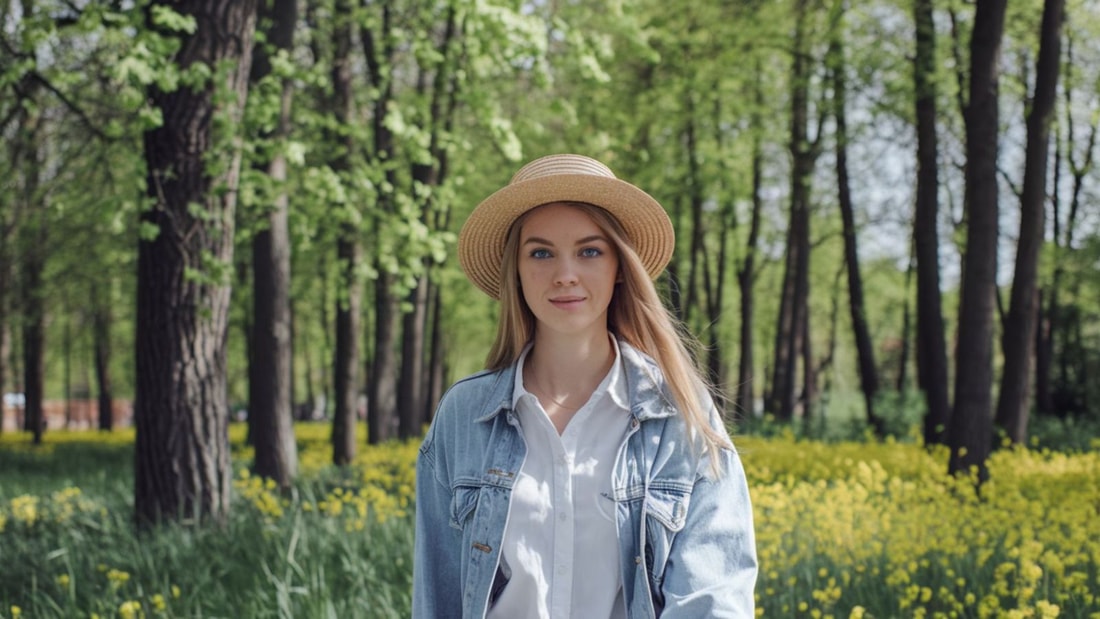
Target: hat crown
x,y
558,165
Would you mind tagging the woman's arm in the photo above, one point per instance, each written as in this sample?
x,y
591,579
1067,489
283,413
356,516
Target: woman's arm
x,y
437,591
711,570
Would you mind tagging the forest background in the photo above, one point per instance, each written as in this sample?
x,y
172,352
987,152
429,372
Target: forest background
x,y
887,217
291,210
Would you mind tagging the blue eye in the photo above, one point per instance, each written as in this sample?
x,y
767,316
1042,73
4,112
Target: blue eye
x,y
540,253
591,252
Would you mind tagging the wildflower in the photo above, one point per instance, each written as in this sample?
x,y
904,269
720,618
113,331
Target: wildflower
x,y
857,612
130,609
62,580
175,592
16,611
158,602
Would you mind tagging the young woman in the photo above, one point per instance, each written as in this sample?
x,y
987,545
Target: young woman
x,y
586,472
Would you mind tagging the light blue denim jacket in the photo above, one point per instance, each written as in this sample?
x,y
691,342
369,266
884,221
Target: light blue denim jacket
x,y
695,557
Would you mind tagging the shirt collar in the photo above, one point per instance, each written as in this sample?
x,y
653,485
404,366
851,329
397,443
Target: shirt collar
x,y
614,384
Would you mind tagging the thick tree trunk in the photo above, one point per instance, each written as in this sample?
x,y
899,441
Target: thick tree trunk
x,y
182,446
270,398
1020,326
868,371
971,425
931,347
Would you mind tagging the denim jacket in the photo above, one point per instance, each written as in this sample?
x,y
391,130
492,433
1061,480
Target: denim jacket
x,y
686,543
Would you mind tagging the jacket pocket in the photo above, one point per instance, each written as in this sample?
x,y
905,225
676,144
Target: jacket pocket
x,y
666,509
463,504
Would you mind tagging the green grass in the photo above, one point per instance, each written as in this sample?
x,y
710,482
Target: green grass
x,y
82,557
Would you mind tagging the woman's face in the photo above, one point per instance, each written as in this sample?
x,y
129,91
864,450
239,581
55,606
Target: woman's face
x,y
567,270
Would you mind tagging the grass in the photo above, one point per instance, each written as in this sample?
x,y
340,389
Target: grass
x,y
845,528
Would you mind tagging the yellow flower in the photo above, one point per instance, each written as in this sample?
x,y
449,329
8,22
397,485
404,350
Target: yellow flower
x,y
857,613
62,580
175,592
130,609
16,611
158,602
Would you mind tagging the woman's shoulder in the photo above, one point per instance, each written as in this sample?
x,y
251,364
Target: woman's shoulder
x,y
476,393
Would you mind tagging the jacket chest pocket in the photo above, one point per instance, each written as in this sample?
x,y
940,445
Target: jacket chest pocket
x,y
666,509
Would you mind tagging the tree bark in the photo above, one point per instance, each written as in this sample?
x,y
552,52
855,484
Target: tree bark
x,y
1019,340
868,371
382,415
270,401
931,347
746,273
101,333
970,428
181,452
791,332
349,305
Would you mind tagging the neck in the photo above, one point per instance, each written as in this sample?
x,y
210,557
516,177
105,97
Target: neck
x,y
568,367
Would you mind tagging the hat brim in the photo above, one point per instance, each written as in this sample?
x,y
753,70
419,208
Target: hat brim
x,y
481,241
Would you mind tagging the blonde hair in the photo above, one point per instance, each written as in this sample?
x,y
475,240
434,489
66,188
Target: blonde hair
x,y
636,314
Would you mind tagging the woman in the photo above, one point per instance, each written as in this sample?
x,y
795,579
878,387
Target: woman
x,y
586,472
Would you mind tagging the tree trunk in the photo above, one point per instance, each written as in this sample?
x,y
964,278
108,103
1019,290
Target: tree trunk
x,y
349,305
1019,341
791,331
34,343
101,334
931,348
437,369
868,371
182,467
270,401
746,274
382,413
411,387
970,428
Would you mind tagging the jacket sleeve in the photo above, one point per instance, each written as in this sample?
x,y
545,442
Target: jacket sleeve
x,y
436,560
711,570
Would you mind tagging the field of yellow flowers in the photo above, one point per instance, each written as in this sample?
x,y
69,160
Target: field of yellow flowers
x,y
844,530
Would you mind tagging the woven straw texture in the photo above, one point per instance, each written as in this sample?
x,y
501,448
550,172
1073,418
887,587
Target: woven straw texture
x,y
561,178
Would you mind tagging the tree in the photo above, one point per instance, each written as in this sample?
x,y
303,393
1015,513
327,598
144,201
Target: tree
x,y
1019,339
868,372
970,428
193,163
793,321
270,379
931,348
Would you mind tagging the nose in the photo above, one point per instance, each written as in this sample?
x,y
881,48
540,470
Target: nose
x,y
566,273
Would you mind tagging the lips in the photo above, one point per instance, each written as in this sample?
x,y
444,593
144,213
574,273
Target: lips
x,y
566,301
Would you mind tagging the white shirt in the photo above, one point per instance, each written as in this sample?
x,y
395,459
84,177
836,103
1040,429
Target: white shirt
x,y
560,547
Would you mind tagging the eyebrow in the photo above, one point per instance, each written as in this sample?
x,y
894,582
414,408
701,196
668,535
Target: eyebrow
x,y
588,239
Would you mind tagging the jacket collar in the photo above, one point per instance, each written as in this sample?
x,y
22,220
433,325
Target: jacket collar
x,y
645,384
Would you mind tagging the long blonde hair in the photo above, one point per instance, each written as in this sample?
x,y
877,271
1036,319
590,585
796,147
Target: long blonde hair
x,y
636,314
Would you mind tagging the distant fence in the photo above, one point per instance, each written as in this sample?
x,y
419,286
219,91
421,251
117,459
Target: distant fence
x,y
76,415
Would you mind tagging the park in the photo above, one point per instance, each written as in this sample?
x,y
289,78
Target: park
x,y
230,300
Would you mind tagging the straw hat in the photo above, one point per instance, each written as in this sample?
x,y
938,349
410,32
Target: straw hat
x,y
561,178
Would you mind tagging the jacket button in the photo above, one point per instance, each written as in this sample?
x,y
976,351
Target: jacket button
x,y
637,560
